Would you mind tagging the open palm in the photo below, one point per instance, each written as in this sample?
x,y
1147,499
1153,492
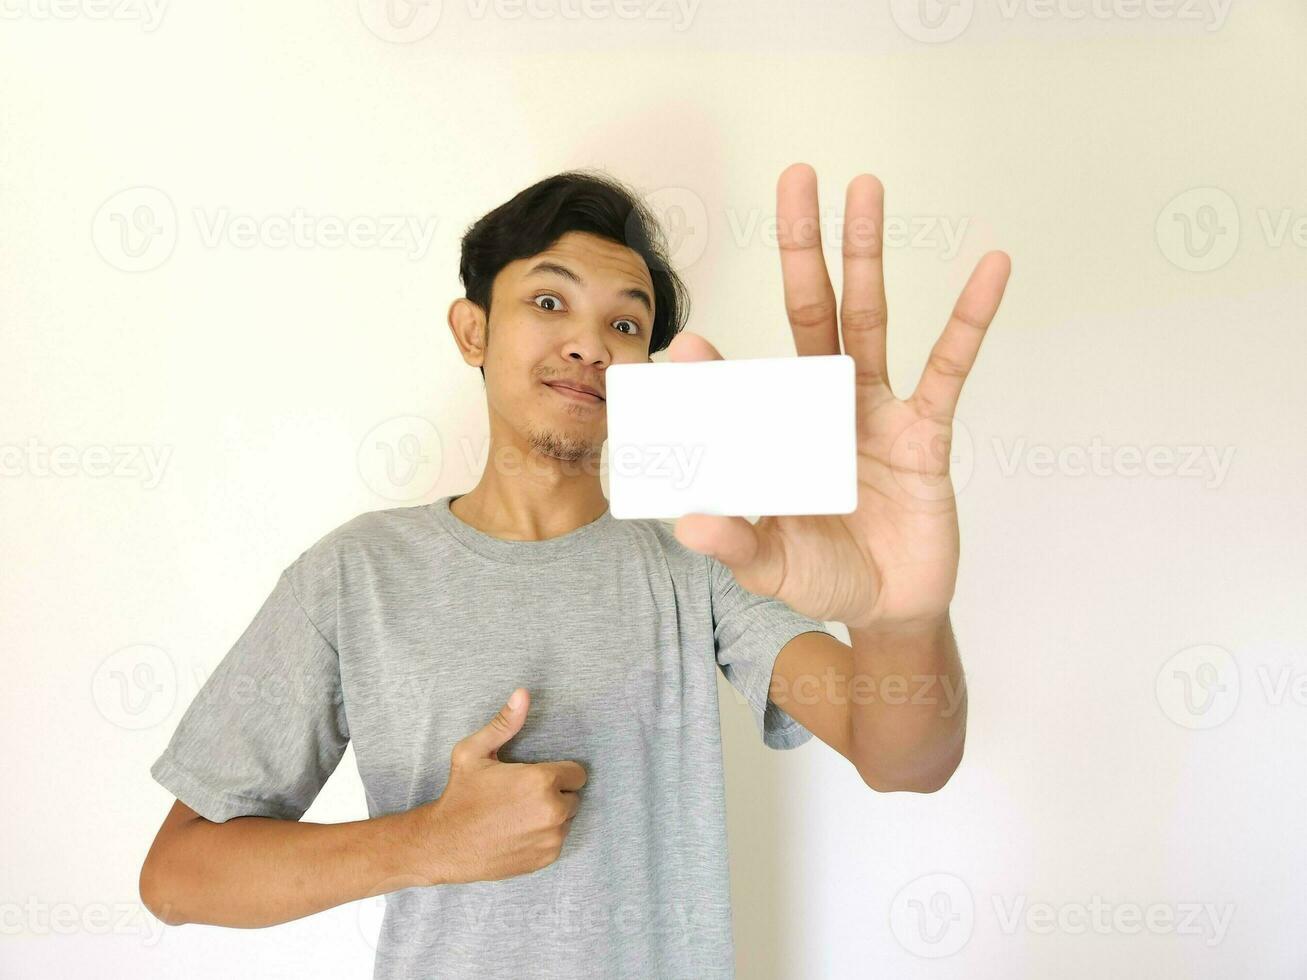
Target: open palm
x,y
893,562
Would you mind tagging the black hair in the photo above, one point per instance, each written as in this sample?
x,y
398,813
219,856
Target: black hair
x,y
582,201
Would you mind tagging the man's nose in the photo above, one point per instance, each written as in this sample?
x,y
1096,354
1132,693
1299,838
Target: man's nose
x,y
586,345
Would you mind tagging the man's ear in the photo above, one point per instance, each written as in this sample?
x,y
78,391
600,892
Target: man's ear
x,y
467,322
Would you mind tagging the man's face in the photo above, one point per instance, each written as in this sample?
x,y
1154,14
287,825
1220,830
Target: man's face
x,y
562,317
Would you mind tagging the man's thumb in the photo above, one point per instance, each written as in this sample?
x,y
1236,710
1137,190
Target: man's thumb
x,y
506,723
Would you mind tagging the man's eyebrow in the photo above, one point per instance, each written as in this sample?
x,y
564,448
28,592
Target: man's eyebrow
x,y
561,270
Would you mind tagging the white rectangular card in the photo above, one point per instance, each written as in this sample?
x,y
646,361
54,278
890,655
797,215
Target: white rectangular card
x,y
750,438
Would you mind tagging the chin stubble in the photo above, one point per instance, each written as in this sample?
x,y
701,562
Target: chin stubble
x,y
561,447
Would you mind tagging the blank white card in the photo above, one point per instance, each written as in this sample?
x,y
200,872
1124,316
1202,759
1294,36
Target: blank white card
x,y
767,436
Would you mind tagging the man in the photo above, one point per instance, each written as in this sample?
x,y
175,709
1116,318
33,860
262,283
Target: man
x,y
578,828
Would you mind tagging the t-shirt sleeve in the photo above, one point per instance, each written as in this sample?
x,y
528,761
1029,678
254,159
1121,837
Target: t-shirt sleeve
x,y
268,727
750,631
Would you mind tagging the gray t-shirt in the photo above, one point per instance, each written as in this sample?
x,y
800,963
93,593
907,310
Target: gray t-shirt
x,y
405,630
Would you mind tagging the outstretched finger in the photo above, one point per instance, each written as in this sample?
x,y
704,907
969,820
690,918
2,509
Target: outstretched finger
x,y
954,353
863,311
809,298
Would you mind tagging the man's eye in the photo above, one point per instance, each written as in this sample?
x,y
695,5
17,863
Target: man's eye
x,y
551,298
635,327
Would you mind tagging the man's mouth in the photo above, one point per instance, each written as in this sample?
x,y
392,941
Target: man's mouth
x,y
576,394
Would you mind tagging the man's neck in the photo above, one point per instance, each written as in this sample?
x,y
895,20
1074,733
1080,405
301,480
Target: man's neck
x,y
530,507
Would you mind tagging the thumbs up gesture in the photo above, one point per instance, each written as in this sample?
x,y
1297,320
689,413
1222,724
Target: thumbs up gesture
x,y
495,819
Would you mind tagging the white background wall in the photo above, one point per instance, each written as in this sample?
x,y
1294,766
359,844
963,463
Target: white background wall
x,y
1078,138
